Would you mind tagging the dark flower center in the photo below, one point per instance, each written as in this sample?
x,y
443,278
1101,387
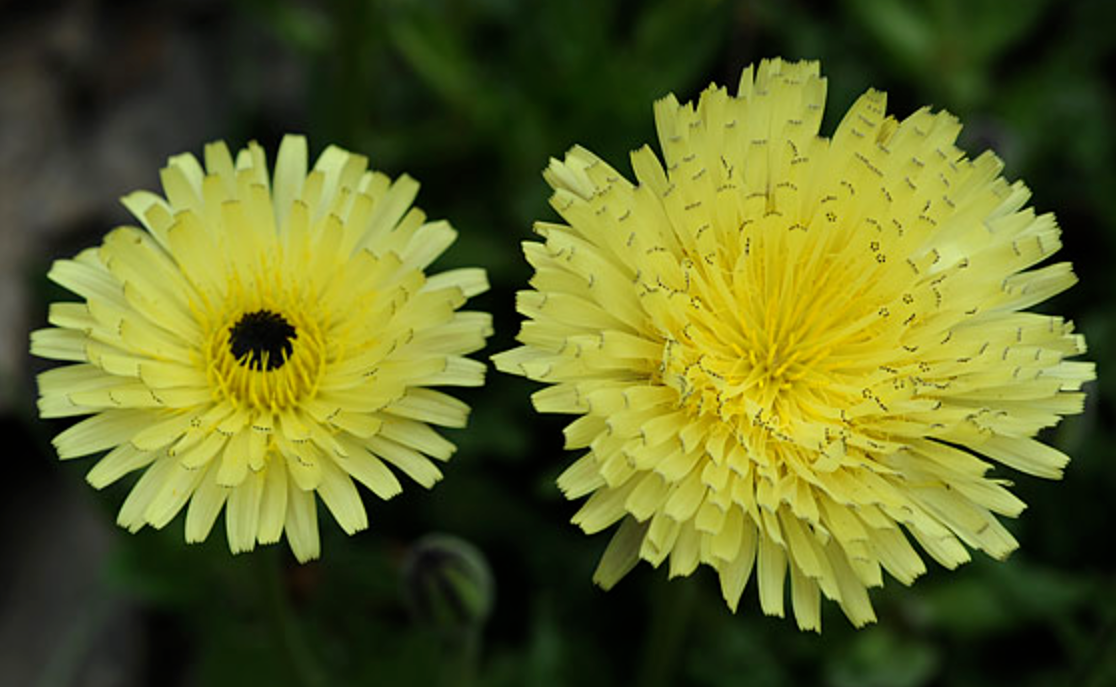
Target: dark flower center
x,y
262,339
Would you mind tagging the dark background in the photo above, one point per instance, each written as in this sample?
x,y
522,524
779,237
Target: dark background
x,y
471,98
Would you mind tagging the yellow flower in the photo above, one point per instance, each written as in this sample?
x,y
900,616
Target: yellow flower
x,y
262,340
792,353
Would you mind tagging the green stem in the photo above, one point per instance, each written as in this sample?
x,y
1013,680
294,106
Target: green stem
x,y
285,626
1100,667
72,649
460,655
670,615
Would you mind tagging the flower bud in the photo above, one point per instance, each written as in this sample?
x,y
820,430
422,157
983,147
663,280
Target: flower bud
x,y
447,583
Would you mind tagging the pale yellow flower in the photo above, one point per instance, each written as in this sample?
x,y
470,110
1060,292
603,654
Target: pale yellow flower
x,y
791,353
262,340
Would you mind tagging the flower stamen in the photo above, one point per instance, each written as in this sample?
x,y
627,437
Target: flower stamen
x,y
261,340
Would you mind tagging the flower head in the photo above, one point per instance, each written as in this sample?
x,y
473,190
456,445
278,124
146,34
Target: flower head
x,y
792,353
262,340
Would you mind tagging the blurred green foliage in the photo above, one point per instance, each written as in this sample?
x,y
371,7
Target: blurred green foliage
x,y
472,98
